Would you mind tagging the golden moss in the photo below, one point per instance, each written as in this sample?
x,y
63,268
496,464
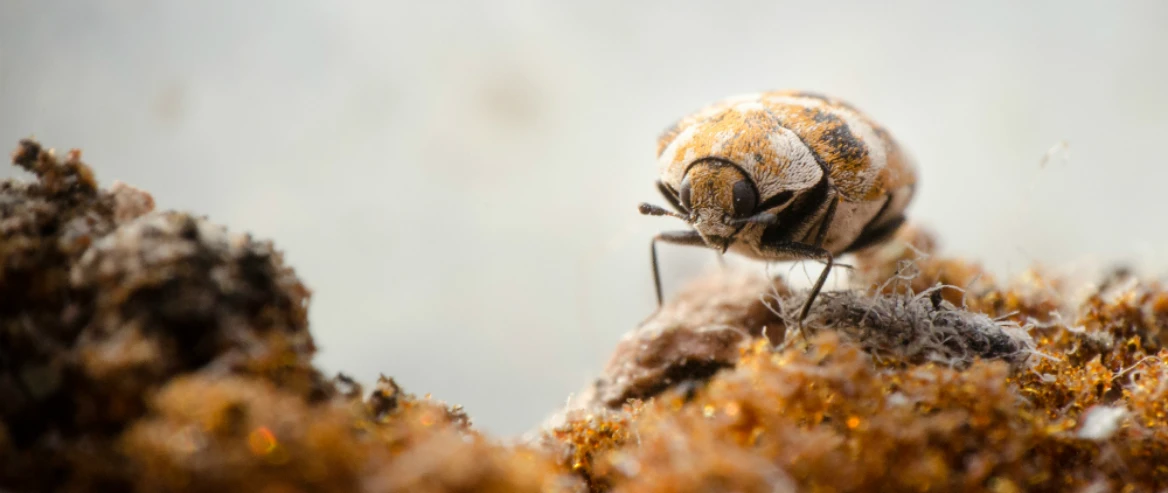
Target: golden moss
x,y
828,420
585,435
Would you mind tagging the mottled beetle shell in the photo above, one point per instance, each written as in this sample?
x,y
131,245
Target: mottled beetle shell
x,y
787,141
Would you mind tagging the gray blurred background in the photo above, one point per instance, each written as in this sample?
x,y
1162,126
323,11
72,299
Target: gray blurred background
x,y
457,181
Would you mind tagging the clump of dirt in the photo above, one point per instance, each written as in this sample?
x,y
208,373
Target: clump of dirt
x,y
156,351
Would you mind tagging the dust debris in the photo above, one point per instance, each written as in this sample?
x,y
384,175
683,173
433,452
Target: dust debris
x,y
920,328
1101,422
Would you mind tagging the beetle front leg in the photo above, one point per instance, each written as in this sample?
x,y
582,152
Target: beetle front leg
x,y
687,237
671,197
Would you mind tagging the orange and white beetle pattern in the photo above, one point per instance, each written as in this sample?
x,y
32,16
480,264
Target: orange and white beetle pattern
x,y
782,175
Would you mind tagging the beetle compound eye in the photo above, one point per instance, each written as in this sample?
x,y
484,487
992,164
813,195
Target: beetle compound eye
x,y
745,199
684,194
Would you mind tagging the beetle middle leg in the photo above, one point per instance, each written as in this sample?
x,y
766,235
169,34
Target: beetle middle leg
x,y
803,251
688,237
777,242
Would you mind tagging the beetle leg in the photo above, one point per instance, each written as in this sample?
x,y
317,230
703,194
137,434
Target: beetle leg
x,y
816,251
804,251
688,237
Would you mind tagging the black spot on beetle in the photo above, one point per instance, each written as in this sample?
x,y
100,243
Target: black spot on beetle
x,y
847,145
838,136
823,116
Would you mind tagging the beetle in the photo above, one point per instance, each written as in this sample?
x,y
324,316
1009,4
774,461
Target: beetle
x,y
781,176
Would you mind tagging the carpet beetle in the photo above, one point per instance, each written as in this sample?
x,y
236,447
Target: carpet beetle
x,y
781,175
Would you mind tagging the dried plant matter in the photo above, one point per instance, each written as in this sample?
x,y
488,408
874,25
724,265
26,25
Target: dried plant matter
x,y
156,351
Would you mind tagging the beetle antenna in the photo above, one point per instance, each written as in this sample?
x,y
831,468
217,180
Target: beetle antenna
x,y
653,210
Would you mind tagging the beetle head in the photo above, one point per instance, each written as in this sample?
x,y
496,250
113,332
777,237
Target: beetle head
x,y
718,195
718,199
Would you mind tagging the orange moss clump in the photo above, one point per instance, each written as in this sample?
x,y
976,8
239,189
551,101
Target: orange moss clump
x,y
584,435
830,420
237,434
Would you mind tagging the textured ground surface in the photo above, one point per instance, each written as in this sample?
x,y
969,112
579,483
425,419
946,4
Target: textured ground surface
x,y
146,350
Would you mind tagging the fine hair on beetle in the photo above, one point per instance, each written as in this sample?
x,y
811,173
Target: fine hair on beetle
x,y
781,176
